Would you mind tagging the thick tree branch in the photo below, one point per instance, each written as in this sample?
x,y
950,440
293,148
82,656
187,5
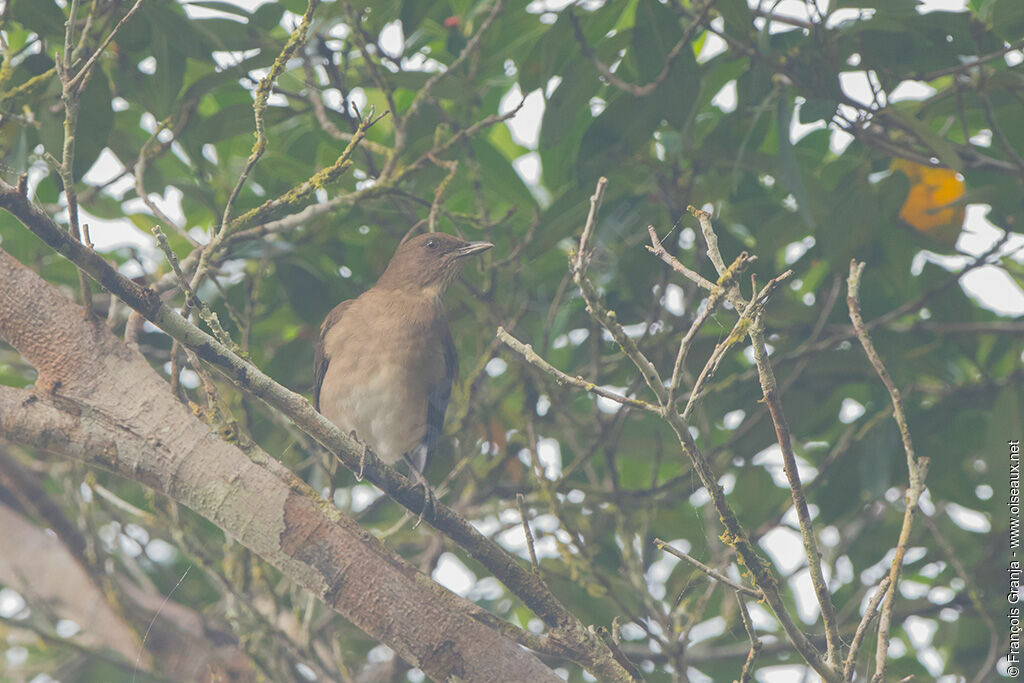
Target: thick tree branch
x,y
590,649
103,404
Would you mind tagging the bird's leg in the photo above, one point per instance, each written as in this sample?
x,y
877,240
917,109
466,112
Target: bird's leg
x,y
362,461
366,454
429,499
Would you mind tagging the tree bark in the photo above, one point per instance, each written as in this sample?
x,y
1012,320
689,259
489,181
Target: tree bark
x,y
40,567
98,401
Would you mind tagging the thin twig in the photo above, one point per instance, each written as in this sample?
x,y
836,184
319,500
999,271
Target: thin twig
x,y
531,356
191,299
296,39
769,389
402,124
583,254
734,535
715,297
659,250
78,82
917,468
453,168
521,501
739,330
755,643
65,167
862,627
754,311
147,154
713,573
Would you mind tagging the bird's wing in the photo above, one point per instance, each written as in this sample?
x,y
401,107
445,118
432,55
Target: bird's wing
x,y
437,401
320,357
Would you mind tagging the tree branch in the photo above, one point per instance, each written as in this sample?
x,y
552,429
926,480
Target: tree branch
x,y
94,415
593,652
916,467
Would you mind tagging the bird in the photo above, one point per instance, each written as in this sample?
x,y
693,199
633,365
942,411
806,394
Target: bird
x,y
385,361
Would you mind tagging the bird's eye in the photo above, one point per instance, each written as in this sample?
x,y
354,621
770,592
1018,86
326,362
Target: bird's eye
x,y
431,244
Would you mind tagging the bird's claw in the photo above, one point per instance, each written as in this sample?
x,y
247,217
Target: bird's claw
x,y
429,500
362,462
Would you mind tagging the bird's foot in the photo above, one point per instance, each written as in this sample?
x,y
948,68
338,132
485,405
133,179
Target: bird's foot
x,y
363,457
362,461
429,499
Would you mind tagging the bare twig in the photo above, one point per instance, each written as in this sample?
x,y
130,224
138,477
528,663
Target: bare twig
x,y
191,299
917,468
659,250
295,40
713,573
521,501
453,168
402,124
970,64
531,356
78,82
734,534
317,181
755,643
147,154
753,312
742,327
583,253
862,627
807,533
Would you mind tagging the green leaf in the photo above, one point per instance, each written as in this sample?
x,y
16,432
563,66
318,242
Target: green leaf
x,y
618,132
267,16
45,18
413,13
656,34
790,170
942,148
95,122
815,109
1008,19
569,101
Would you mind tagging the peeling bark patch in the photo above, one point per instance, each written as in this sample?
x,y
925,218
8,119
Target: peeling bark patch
x,y
445,658
300,540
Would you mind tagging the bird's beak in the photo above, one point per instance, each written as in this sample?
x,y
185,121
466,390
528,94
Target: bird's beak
x,y
473,248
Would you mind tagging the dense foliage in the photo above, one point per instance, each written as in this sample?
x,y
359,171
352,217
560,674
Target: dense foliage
x,y
749,111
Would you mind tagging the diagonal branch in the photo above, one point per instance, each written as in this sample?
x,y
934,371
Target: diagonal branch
x,y
112,410
917,468
735,536
588,648
531,357
755,311
710,571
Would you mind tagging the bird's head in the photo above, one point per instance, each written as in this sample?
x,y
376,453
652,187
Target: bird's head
x,y
429,261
